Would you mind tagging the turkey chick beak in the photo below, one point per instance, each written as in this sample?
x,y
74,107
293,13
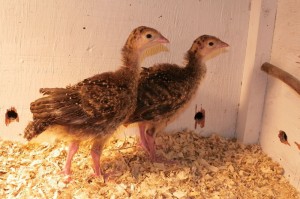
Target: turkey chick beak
x,y
223,45
162,40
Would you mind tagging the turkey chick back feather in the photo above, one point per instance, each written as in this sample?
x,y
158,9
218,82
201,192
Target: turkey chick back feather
x,y
163,90
91,104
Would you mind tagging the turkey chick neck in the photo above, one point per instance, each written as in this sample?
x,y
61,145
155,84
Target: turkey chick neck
x,y
195,64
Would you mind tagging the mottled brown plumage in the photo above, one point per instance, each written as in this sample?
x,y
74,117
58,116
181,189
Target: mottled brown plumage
x,y
165,88
94,108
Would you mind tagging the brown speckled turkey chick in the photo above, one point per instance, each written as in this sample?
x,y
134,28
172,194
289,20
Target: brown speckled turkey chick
x,y
95,107
165,88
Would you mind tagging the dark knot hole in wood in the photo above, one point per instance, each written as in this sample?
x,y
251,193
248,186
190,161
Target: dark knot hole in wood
x,y
199,117
283,137
11,115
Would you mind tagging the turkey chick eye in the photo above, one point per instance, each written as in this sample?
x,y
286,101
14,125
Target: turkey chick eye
x,y
211,43
148,36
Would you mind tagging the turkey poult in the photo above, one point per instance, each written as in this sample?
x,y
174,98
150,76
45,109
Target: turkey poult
x,y
94,108
165,88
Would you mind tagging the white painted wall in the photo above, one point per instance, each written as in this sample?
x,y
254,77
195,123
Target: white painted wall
x,y
282,104
55,43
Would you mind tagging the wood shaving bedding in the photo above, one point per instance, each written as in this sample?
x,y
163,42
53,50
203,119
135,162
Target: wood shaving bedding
x,y
205,167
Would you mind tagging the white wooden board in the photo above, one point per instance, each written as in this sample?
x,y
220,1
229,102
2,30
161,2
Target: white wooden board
x,y
282,104
259,44
56,43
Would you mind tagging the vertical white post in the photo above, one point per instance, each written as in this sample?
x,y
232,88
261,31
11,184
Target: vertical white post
x,y
258,51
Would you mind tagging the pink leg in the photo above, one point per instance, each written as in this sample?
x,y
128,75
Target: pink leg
x,y
148,143
95,153
143,140
150,140
73,148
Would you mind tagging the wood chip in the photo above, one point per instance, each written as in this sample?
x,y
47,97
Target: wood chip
x,y
179,194
205,167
